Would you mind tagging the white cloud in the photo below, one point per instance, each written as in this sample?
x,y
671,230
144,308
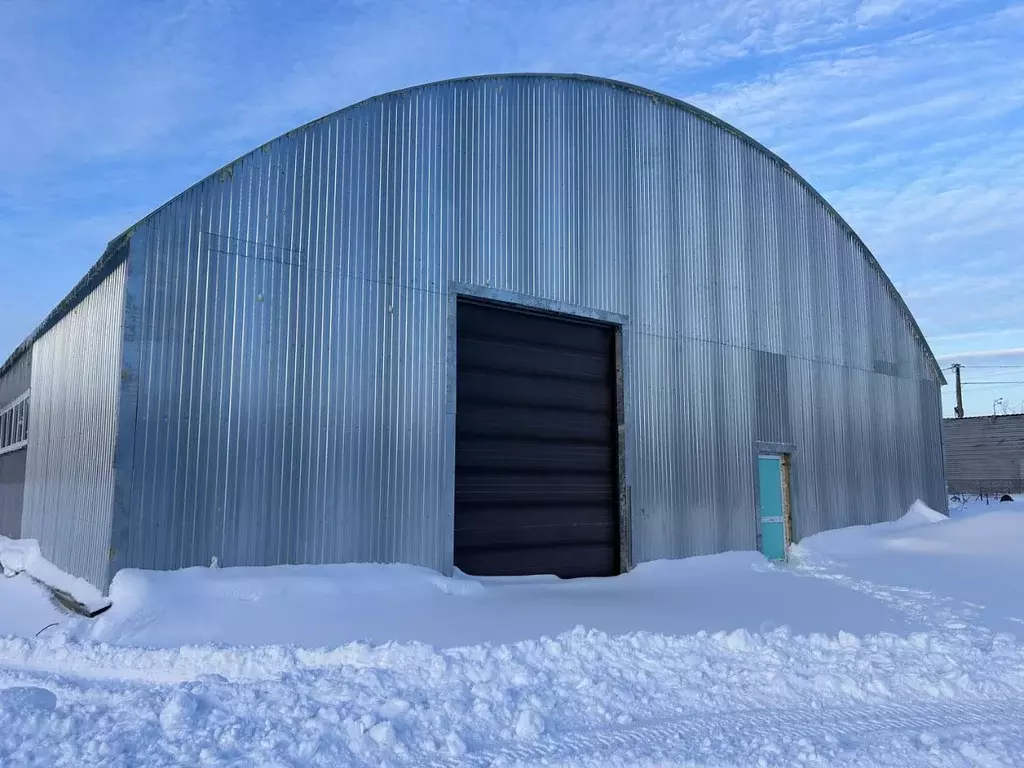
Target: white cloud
x,y
139,79
986,334
662,37
983,354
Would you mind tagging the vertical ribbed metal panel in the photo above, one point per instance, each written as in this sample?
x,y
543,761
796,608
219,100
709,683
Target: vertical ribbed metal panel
x,y
985,454
69,476
293,360
12,492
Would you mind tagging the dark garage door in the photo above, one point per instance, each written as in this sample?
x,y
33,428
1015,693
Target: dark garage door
x,y
535,451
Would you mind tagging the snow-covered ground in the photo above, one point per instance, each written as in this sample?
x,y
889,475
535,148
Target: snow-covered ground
x,y
897,644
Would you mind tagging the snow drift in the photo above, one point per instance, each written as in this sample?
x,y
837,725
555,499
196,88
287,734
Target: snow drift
x,y
22,556
861,651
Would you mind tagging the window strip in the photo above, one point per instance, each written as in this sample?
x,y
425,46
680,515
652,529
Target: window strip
x,y
14,424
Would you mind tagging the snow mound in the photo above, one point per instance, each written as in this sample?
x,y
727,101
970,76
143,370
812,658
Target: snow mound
x,y
311,605
900,647
861,540
324,606
920,513
23,556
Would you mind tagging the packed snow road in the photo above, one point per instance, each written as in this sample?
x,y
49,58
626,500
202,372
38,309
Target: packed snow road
x,y
931,673
582,698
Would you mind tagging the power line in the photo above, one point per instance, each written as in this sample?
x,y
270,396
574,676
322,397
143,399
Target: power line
x,y
971,366
951,366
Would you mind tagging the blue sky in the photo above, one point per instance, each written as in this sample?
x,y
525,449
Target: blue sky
x,y
908,115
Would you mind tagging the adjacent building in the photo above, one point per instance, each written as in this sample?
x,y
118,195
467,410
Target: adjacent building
x,y
510,324
985,454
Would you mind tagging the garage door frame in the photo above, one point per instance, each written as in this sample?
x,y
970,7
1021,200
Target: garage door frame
x,y
512,300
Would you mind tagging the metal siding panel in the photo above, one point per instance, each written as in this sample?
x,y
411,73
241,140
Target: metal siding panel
x,y
882,399
858,329
801,270
656,530
861,446
12,492
927,442
983,454
735,523
805,464
69,475
293,390
773,424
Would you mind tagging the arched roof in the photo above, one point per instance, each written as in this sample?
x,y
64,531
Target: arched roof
x,y
116,250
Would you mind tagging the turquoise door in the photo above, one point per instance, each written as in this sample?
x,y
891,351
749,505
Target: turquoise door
x,y
770,507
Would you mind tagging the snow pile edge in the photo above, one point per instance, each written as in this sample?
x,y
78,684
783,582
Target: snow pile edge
x,y
23,556
920,512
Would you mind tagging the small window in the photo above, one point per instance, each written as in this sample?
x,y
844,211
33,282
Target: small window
x,y
14,425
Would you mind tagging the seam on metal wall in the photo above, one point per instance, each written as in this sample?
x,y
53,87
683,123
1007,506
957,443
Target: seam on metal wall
x,y
486,291
789,355
393,284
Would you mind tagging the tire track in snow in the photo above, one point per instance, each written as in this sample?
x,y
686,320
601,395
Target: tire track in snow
x,y
747,734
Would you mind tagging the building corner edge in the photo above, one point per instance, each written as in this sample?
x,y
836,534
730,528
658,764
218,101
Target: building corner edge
x,y
127,410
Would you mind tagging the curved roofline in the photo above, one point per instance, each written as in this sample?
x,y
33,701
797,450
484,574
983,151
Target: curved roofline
x,y
113,251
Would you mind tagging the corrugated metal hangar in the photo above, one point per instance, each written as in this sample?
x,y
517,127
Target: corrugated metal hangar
x,y
510,324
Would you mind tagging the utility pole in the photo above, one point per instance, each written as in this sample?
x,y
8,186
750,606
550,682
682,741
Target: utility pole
x,y
959,410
